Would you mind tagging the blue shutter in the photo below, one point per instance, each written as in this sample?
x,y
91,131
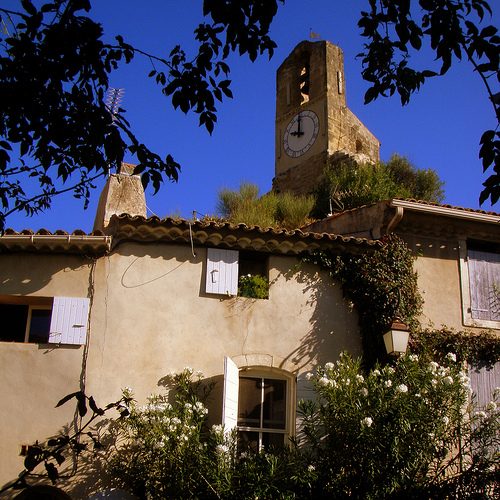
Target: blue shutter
x,y
68,324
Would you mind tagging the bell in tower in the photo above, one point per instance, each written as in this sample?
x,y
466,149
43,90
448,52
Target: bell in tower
x,y
314,127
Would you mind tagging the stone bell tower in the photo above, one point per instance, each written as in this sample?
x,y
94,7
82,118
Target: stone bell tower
x,y
313,124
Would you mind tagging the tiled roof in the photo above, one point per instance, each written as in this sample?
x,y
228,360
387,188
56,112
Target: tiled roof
x,y
59,241
227,235
207,233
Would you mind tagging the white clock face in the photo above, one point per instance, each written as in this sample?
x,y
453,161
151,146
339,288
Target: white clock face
x,y
300,133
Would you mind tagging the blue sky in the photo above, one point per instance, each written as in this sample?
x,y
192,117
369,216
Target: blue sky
x,y
439,129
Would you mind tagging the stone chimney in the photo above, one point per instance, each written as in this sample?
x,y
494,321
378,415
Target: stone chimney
x,y
122,194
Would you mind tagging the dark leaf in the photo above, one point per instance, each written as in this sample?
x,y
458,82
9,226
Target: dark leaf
x,y
65,399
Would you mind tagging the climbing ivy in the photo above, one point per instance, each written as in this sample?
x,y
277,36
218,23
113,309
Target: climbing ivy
x,y
378,284
468,346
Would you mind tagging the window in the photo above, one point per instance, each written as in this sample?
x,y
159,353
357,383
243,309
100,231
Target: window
x,y
41,320
480,276
261,411
304,79
226,267
258,403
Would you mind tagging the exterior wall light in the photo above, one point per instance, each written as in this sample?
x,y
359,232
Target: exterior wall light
x,y
396,338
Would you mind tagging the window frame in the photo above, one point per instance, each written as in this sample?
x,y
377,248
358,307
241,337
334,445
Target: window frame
x,y
259,373
230,404
464,268
224,268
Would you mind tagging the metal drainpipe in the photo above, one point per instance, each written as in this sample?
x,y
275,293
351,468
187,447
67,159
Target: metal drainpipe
x,y
395,220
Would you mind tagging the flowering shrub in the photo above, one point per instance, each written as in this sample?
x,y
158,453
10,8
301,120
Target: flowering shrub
x,y
168,451
401,430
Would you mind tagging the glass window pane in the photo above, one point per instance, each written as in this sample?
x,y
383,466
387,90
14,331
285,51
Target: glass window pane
x,y
248,440
270,440
249,401
40,325
274,404
13,325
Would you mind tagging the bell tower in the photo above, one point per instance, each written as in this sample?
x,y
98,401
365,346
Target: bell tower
x,y
313,124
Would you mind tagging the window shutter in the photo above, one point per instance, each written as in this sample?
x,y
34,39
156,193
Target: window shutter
x,y
483,381
230,395
222,271
68,324
484,278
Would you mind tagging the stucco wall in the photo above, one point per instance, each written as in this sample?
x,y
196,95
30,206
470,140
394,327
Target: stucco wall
x,y
34,377
438,271
149,316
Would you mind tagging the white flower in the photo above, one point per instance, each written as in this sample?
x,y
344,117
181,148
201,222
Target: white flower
x,y
199,374
323,381
360,378
451,357
376,372
413,357
433,366
221,449
188,369
446,420
481,414
497,391
310,468
364,391
402,388
329,366
217,428
492,406
448,380
388,383
367,422
309,376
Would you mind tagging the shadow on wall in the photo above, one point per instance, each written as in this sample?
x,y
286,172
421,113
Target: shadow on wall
x,y
85,474
37,271
334,321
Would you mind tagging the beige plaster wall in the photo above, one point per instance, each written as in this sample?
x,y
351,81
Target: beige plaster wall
x,y
438,271
149,316
34,377
152,316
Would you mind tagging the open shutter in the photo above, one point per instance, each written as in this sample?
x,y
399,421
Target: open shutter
x,y
222,271
230,395
68,324
484,278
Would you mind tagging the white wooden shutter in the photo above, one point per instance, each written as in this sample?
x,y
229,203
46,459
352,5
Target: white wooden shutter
x,y
222,271
484,279
230,395
68,324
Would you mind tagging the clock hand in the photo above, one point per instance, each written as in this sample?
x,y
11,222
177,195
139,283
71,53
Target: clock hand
x,y
298,133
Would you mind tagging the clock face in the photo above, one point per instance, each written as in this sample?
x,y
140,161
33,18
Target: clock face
x,y
300,133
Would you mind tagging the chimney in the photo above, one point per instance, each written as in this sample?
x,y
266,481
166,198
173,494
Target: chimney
x,y
122,194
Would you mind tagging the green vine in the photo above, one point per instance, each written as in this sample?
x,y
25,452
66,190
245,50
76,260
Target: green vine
x,y
382,282
468,346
